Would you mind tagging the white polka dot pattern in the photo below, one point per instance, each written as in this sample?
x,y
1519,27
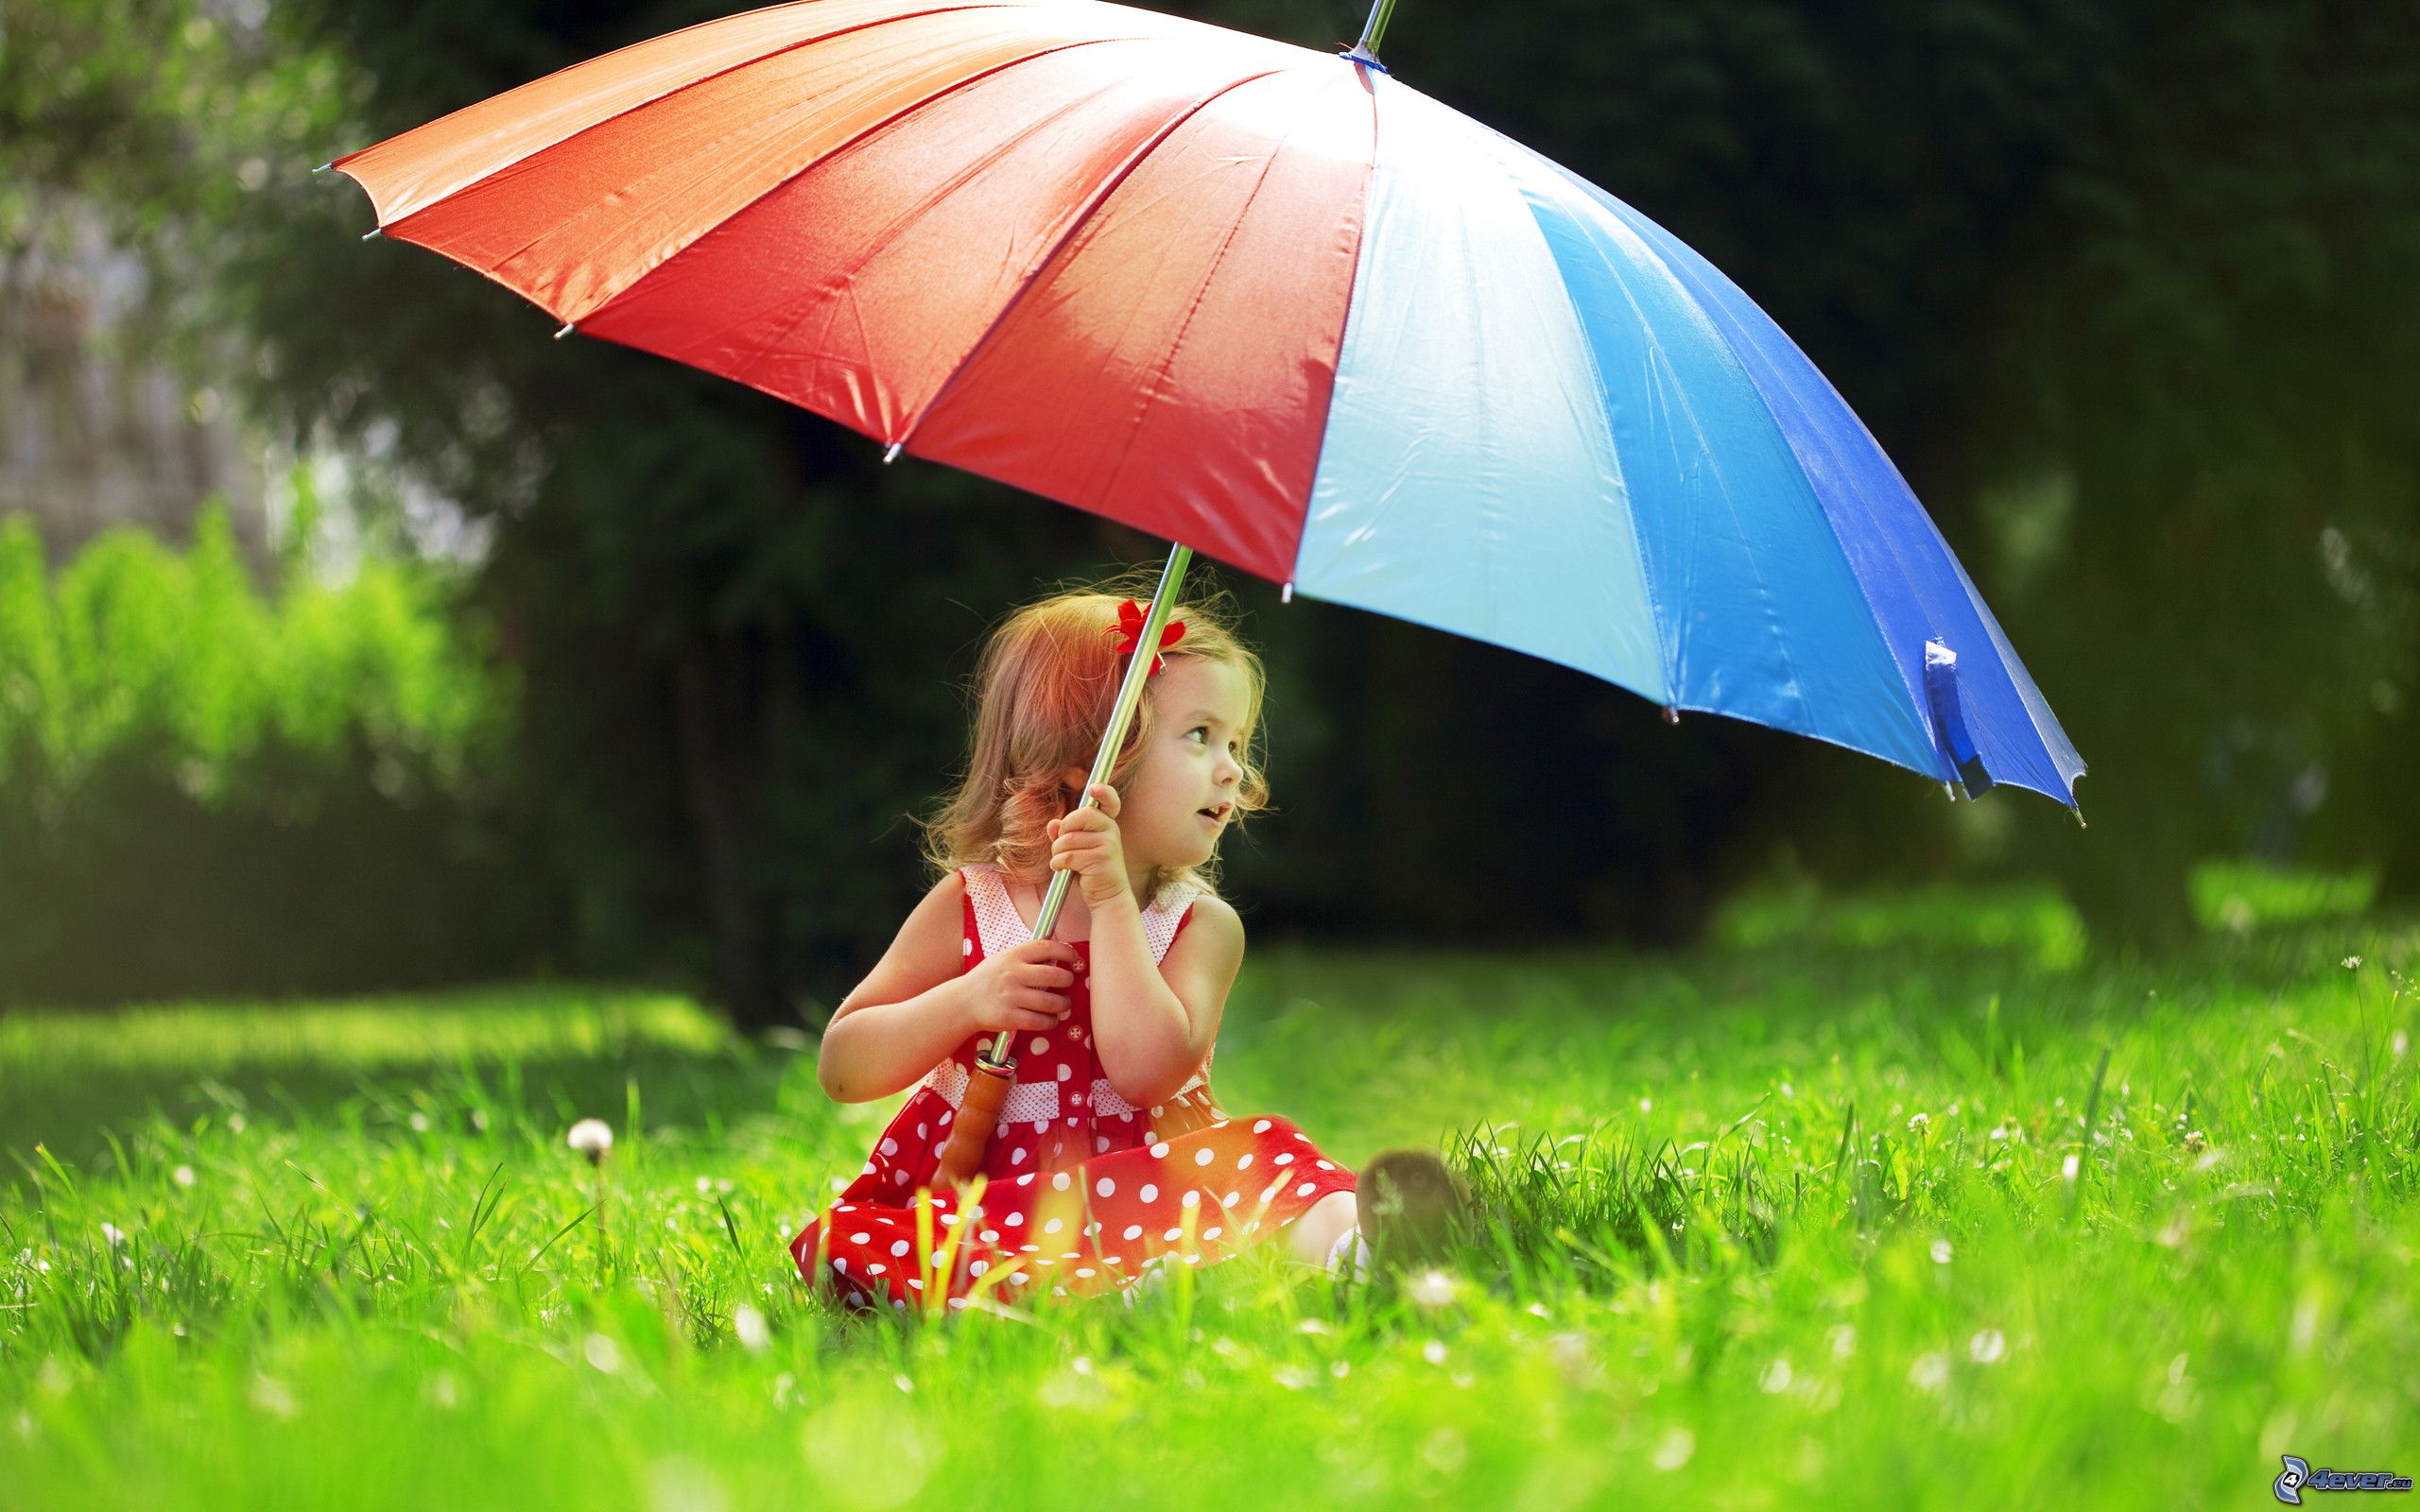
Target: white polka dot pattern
x,y
949,1078
999,923
1031,1101
1129,1179
1027,1102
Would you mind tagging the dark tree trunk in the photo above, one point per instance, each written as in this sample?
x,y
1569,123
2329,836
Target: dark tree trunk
x,y
2127,874
716,788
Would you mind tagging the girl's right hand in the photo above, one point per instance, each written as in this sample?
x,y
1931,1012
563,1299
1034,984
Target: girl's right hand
x,y
1021,987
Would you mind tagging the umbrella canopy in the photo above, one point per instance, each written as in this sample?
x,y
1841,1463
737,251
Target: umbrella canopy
x,y
1268,302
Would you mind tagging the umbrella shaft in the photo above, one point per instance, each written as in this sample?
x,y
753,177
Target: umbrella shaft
x,y
1129,693
1380,11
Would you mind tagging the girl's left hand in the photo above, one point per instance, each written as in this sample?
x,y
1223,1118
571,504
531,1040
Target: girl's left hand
x,y
1088,841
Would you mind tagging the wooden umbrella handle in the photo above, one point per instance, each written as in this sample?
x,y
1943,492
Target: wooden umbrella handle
x,y
970,1131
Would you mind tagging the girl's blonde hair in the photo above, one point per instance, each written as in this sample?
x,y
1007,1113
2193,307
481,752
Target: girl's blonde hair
x,y
1043,693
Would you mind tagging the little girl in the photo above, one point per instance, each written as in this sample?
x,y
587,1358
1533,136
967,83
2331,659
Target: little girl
x,y
1110,1158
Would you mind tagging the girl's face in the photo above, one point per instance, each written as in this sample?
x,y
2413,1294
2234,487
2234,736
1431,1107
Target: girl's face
x,y
1193,762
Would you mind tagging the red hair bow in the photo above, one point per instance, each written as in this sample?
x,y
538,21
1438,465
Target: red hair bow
x,y
1130,630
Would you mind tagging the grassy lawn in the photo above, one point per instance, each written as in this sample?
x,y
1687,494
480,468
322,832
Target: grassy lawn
x,y
1895,1201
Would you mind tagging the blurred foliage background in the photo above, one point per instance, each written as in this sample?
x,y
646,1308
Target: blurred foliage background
x,y
2125,291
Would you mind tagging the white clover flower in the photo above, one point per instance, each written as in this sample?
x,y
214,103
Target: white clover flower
x,y
1986,1347
748,1324
116,1235
1673,1450
1941,1251
183,1175
603,1353
592,1137
1930,1372
2352,963
1918,1123
1433,1351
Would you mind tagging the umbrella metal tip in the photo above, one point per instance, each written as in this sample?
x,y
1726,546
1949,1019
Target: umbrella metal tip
x,y
374,231
890,454
568,327
324,166
1285,594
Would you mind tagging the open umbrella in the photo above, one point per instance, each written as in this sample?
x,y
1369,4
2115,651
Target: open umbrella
x,y
1268,302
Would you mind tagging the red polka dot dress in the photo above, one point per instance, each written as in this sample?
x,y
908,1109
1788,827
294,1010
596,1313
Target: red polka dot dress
x,y
1083,1193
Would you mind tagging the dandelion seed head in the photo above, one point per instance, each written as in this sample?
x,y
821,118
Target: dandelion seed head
x,y
592,1137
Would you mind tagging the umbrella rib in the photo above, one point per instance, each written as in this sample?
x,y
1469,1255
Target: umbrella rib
x,y
1667,646
1083,217
958,180
1686,277
1184,327
1343,329
851,145
685,85
703,78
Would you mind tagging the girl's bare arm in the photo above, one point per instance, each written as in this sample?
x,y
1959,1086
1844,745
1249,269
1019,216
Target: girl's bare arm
x,y
910,1013
1153,1023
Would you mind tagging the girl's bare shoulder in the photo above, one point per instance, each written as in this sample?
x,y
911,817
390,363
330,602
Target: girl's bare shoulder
x,y
1213,926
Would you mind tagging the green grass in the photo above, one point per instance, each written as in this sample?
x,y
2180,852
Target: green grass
x,y
1899,1201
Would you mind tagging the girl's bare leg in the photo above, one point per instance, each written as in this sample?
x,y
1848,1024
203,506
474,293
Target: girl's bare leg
x,y
1312,1235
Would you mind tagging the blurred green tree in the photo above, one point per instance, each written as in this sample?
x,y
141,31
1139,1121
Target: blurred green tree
x,y
2138,261
2209,341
